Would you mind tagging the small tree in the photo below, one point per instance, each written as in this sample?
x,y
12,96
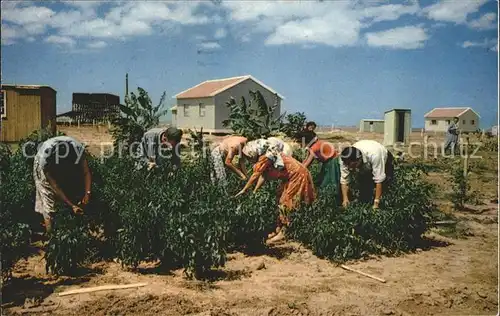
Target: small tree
x,y
137,116
294,123
255,119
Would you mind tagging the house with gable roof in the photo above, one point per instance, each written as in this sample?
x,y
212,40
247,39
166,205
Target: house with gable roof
x,y
438,119
204,105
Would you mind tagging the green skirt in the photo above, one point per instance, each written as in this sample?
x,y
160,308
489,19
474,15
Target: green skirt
x,y
329,174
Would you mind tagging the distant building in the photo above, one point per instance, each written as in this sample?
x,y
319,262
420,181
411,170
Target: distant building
x,y
370,125
397,127
92,107
438,119
204,105
494,130
24,109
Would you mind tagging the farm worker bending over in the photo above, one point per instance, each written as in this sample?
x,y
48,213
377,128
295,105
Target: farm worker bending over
x,y
373,165
325,153
157,139
61,171
296,186
223,155
256,148
452,136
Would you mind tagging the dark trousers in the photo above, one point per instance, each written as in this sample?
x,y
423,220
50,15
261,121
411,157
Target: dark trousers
x,y
367,186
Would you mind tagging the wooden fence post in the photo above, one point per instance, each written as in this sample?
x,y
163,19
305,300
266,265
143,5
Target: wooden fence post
x,y
466,158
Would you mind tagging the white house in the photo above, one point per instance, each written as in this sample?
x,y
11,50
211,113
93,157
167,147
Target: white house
x,y
438,119
204,105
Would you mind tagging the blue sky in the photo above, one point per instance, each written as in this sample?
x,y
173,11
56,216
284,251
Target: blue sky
x,y
337,61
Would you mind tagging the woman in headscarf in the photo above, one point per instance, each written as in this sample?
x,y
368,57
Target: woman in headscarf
x,y
256,148
296,187
325,153
155,140
61,171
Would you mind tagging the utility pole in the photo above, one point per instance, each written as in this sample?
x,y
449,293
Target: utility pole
x,y
126,85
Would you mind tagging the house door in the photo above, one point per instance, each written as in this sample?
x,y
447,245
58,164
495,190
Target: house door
x,y
401,127
371,127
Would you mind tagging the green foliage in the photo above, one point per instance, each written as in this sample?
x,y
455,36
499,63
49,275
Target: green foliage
x,y
69,242
460,186
137,116
490,144
181,219
357,231
17,199
255,119
294,124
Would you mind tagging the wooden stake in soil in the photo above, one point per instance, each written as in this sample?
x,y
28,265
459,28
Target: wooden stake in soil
x,y
466,158
102,288
362,273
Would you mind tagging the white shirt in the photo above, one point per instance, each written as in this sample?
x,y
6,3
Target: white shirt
x,y
374,158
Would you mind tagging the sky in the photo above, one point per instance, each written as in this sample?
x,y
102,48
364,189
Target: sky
x,y
336,61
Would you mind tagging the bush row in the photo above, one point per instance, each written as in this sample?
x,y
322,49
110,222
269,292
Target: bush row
x,y
181,219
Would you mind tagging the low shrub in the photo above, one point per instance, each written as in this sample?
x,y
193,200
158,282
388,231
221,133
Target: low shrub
x,y
354,232
181,218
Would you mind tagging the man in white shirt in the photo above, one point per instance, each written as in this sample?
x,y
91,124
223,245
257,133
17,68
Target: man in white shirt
x,y
373,166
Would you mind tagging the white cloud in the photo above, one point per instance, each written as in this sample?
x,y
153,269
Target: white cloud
x,y
210,45
97,44
80,20
344,31
453,10
334,23
389,12
492,44
10,33
407,37
220,33
60,40
485,22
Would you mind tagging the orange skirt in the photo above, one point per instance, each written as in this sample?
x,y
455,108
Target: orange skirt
x,y
298,188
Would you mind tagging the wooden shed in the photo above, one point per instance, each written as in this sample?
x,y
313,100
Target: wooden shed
x,y
24,109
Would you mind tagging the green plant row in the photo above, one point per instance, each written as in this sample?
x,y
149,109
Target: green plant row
x,y
181,219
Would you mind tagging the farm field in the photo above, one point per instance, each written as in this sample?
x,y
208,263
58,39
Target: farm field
x,y
456,274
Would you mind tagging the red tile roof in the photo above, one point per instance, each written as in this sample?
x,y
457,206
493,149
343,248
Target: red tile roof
x,y
446,112
210,87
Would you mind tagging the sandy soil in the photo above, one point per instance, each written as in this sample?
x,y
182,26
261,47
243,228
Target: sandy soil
x,y
452,276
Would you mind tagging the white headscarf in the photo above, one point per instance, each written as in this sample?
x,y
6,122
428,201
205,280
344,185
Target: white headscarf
x,y
271,148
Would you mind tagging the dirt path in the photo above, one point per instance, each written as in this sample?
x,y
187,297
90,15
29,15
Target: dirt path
x,y
453,277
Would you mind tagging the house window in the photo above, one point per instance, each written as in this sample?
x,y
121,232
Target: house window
x,y
472,122
448,122
434,122
202,109
463,122
186,110
371,123
3,104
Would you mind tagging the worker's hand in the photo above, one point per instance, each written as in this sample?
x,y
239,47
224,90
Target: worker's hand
x,y
77,210
151,165
345,203
375,204
243,177
86,199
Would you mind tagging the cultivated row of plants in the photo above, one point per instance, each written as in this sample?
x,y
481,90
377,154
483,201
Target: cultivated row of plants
x,y
181,219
